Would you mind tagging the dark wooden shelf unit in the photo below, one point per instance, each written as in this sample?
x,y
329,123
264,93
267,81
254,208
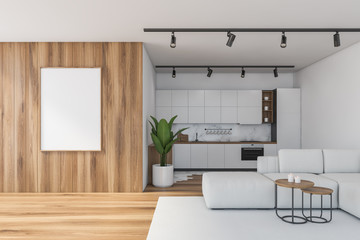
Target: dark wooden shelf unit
x,y
270,104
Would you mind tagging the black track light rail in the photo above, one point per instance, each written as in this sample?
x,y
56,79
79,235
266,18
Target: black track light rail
x,y
226,66
251,30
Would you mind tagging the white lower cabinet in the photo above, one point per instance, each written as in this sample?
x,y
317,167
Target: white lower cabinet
x,y
270,150
181,156
232,155
198,155
216,156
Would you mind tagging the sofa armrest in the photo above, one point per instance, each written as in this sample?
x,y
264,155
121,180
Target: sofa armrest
x,y
268,164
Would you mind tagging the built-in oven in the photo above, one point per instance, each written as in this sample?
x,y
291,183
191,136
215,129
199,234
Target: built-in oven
x,y
250,152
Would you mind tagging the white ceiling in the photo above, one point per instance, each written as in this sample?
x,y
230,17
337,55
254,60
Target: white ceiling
x,y
124,20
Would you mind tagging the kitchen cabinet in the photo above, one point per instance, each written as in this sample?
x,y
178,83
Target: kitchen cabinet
x,y
198,155
229,98
182,114
249,115
229,115
212,114
181,155
249,98
212,98
196,114
270,150
233,156
163,98
196,98
179,98
288,118
216,156
163,112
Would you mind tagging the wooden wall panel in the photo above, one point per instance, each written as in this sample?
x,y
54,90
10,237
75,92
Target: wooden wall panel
x,y
118,167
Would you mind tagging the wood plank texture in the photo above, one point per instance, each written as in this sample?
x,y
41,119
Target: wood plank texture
x,y
78,216
118,167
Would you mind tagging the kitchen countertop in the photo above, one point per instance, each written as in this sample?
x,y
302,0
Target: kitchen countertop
x,y
200,142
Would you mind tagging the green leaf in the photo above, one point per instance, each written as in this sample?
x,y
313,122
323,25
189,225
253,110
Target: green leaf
x,y
157,143
155,121
180,131
169,145
153,130
163,132
171,135
171,121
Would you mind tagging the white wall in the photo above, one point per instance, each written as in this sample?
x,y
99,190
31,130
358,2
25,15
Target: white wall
x,y
225,81
149,77
330,92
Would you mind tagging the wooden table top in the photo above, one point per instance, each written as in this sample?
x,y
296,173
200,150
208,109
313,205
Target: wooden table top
x,y
285,183
318,190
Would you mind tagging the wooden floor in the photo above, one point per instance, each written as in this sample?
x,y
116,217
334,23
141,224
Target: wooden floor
x,y
85,216
192,184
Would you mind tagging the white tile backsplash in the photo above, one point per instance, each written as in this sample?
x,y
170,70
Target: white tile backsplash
x,y
239,132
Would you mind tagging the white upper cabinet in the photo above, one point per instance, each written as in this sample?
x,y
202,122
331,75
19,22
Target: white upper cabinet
x,y
163,98
179,98
163,112
196,98
249,98
182,114
212,115
212,98
229,98
229,115
249,115
196,114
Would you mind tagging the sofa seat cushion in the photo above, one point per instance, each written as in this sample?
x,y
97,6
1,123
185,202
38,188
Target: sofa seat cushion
x,y
349,191
284,194
342,178
237,190
349,198
301,160
341,161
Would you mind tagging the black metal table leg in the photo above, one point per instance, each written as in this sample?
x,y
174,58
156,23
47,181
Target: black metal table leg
x,y
292,216
318,219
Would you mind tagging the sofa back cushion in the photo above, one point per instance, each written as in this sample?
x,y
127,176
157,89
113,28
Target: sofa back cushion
x,y
268,164
301,161
341,161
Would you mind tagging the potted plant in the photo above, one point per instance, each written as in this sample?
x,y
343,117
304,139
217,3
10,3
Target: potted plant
x,y
163,139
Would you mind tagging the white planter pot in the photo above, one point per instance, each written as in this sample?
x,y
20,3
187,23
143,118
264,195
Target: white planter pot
x,y
162,176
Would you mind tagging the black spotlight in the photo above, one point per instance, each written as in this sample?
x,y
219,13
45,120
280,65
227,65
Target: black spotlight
x,y
276,74
173,40
231,38
210,71
242,73
174,73
283,41
337,39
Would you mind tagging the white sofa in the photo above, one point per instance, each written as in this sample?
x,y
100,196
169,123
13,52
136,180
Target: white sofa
x,y
335,169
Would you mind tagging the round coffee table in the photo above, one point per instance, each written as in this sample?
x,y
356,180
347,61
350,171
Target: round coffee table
x,y
317,191
292,185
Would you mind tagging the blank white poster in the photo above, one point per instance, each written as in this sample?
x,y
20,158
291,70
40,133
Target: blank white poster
x,y
70,109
